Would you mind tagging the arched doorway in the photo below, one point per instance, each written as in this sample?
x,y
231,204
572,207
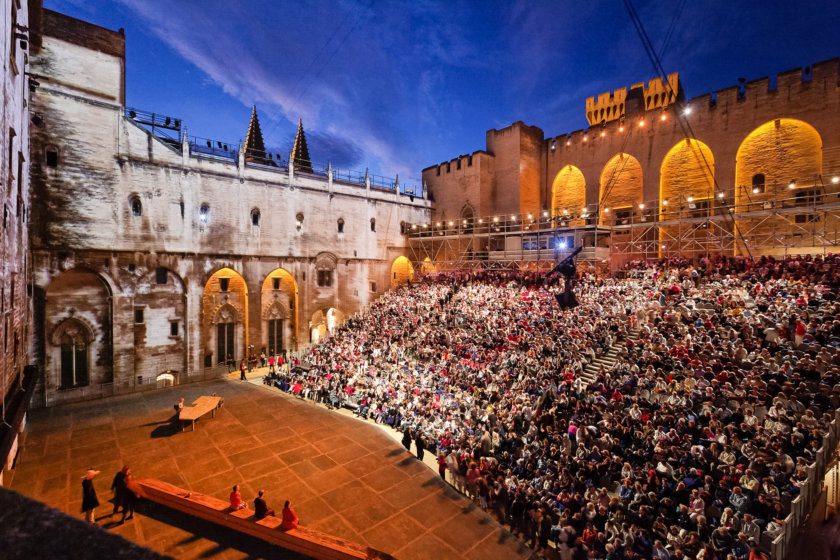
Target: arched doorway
x,y
225,307
317,327
620,191
279,300
779,160
166,379
401,271
568,192
335,318
78,327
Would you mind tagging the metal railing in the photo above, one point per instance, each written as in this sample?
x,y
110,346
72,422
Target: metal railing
x,y
215,148
809,492
162,126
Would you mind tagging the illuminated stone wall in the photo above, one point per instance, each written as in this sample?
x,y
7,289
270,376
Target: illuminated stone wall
x,y
621,187
568,192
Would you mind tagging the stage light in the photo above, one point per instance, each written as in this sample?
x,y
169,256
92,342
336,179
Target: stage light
x,y
665,202
496,219
720,195
561,245
414,226
835,179
606,210
481,220
465,222
530,217
568,142
451,224
585,138
438,224
792,185
545,214
641,123
621,129
642,206
663,117
513,218
755,190
687,111
691,199
603,134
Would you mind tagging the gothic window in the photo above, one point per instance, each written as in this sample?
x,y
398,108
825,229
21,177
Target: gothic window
x,y
74,343
52,157
160,275
373,224
136,206
138,316
341,225
275,283
173,328
255,217
299,220
204,213
224,284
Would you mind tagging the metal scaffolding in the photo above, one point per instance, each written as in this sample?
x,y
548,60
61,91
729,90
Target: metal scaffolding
x,y
758,220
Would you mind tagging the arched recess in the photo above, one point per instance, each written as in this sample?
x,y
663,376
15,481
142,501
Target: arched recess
x,y
335,318
225,318
317,327
401,271
688,170
686,191
279,302
159,341
774,156
78,324
467,219
568,192
620,191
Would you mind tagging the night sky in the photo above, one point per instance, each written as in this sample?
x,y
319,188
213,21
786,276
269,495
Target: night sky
x,y
398,86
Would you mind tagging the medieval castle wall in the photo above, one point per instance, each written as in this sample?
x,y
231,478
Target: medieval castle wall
x,y
153,263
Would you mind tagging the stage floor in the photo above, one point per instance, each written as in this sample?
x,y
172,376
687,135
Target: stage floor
x,y
344,477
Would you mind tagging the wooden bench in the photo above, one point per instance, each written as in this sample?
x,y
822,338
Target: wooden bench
x,y
302,539
199,408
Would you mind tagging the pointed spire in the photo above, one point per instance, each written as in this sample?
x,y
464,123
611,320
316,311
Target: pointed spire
x,y
300,152
254,145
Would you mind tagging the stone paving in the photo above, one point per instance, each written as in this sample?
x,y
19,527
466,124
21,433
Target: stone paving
x,y
343,476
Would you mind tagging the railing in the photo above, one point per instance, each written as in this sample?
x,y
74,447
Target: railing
x,y
162,126
809,492
215,148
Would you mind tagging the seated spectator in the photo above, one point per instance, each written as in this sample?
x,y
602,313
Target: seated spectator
x,y
261,509
290,518
236,502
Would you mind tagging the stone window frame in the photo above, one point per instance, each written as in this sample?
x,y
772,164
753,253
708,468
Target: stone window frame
x,y
135,206
255,217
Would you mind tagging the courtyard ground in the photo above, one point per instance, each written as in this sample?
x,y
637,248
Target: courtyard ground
x,y
344,477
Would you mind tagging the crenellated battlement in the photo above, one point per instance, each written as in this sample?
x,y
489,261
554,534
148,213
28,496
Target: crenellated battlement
x,y
461,162
614,105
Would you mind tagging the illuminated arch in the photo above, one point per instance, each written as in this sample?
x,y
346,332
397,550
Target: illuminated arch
x,y
568,191
688,170
335,318
401,271
620,186
279,299
225,317
782,150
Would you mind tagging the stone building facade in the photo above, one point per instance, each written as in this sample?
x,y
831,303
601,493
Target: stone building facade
x,y
156,259
14,264
741,170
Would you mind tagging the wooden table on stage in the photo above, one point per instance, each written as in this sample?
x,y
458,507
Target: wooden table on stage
x,y
200,407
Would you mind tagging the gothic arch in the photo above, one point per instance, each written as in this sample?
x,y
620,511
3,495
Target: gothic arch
x,y
402,271
279,304
620,187
74,327
568,192
325,261
225,317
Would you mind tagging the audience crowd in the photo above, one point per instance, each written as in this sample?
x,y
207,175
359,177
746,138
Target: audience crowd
x,y
691,446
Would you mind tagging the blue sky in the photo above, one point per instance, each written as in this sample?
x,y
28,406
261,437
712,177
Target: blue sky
x,y
398,86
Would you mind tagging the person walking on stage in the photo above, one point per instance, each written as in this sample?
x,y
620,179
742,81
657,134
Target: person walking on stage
x,y
89,500
421,445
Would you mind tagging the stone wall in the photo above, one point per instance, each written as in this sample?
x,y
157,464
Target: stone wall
x,y
118,206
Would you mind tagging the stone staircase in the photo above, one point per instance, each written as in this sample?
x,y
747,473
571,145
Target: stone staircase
x,y
590,372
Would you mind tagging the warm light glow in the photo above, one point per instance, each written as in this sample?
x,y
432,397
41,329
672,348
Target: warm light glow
x,y
792,185
585,138
545,214
565,210
664,116
583,209
451,224
720,195
513,218
835,179
665,202
621,129
642,205
414,226
425,225
530,217
606,210
568,142
465,222
481,220
691,199
663,246
755,190
438,224
641,123
687,111
496,219
603,133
